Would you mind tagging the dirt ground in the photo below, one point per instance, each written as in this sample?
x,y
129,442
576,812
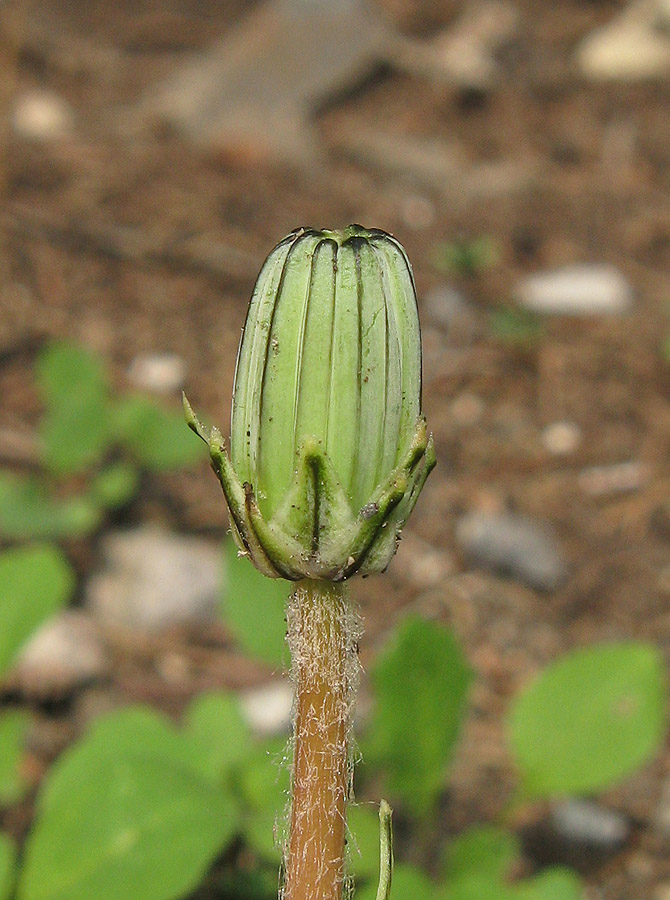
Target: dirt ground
x,y
138,241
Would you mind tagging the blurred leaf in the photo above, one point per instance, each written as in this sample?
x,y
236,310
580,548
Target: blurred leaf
x,y
125,813
363,841
553,884
28,512
253,607
7,866
241,884
480,849
115,485
13,727
158,438
75,428
263,784
467,257
589,719
214,723
515,326
408,883
420,681
36,583
480,886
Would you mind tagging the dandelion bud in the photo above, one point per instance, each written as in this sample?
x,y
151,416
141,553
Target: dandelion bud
x,y
328,449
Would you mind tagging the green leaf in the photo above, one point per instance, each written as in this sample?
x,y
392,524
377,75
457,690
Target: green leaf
x,y
363,841
409,883
253,607
482,848
7,866
125,813
421,682
28,512
215,725
514,326
13,727
115,486
263,784
552,884
36,583
481,886
589,719
75,428
158,438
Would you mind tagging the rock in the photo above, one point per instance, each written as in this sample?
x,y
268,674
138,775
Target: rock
x,y
465,55
154,580
590,825
513,544
65,654
161,373
42,116
619,478
268,708
422,565
634,46
562,438
251,94
577,290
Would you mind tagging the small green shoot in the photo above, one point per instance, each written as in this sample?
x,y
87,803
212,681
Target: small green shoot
x,y
516,327
466,257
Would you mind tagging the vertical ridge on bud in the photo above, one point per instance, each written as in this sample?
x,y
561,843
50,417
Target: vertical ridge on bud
x,y
281,375
245,418
311,412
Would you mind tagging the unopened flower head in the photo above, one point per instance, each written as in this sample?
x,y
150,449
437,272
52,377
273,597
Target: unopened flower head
x,y
328,448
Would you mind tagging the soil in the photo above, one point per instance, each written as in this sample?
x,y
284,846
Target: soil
x,y
97,238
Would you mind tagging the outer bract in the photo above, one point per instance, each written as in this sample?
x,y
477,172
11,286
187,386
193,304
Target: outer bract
x,y
328,449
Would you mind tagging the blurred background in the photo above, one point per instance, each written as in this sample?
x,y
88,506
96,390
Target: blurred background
x,y
151,154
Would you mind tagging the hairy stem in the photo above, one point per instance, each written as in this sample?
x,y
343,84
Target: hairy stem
x,y
323,632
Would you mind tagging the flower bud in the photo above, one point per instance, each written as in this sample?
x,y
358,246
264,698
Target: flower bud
x,y
328,449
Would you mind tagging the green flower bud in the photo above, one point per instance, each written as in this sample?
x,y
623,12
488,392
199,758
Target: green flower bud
x,y
328,449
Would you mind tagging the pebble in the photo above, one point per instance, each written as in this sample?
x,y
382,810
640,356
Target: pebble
x,y
42,116
421,564
63,655
513,544
576,290
467,409
267,709
154,579
634,46
417,212
160,373
562,438
619,478
590,825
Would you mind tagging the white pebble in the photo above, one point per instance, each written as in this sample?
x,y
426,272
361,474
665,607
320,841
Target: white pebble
x,y
162,373
562,438
41,116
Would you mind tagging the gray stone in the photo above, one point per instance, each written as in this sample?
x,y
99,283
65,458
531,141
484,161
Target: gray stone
x,y
513,544
590,825
66,653
576,290
252,92
154,580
